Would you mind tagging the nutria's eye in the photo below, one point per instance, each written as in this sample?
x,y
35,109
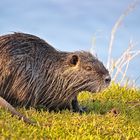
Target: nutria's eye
x,y
88,68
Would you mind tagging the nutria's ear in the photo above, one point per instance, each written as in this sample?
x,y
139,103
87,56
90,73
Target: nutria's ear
x,y
74,59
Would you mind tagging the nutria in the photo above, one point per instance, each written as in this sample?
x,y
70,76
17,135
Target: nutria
x,y
33,74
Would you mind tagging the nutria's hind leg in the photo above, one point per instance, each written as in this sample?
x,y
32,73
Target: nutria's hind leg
x,y
6,105
76,107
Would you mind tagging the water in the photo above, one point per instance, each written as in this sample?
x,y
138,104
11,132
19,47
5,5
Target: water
x,y
75,25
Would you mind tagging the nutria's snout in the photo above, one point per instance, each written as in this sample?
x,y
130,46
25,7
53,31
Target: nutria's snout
x,y
107,79
106,82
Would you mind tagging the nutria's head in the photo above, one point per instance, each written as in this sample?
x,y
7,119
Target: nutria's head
x,y
83,71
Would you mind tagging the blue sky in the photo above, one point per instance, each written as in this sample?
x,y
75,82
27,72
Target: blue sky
x,y
71,25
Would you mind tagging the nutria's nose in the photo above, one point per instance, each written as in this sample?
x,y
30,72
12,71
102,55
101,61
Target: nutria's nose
x,y
107,79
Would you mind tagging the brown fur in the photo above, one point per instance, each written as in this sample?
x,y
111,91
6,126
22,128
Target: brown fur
x,y
33,73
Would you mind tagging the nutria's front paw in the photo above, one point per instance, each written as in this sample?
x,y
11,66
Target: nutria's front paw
x,y
82,110
76,107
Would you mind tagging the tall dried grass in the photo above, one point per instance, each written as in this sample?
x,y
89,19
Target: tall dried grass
x,y
118,67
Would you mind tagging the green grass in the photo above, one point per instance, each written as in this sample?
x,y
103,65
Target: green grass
x,y
97,124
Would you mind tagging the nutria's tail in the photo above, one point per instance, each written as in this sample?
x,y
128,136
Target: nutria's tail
x,y
6,105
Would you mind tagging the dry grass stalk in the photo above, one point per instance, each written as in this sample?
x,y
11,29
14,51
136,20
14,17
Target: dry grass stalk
x,y
116,26
121,65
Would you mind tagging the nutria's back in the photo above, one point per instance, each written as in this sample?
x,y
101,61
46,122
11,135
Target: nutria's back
x,y
33,73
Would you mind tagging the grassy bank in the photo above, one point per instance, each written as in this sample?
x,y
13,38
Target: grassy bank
x,y
112,114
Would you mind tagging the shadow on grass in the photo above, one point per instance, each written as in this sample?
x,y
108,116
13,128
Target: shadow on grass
x,y
97,106
115,107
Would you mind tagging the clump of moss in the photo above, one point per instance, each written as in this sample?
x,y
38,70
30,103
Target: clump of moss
x,y
112,114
